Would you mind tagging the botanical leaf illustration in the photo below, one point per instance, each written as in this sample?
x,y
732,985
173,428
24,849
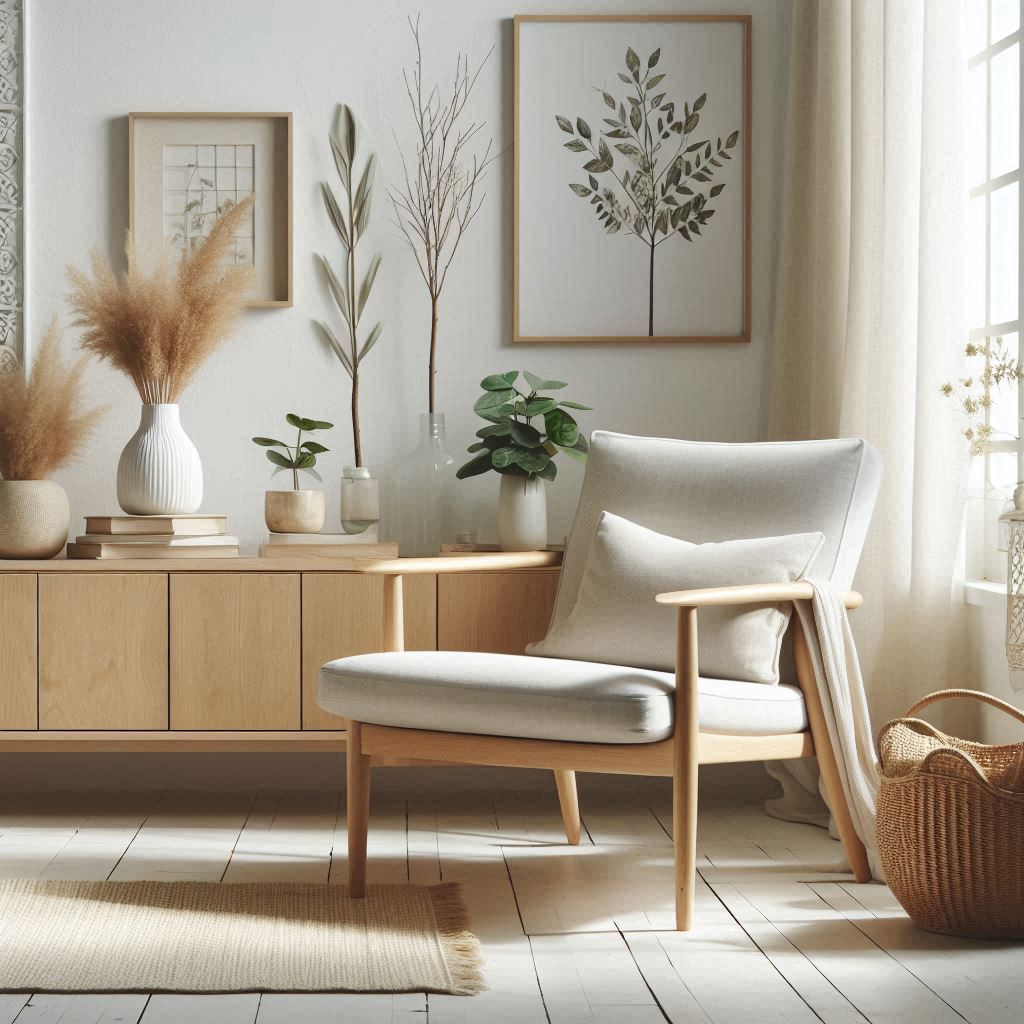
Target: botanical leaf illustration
x,y
657,191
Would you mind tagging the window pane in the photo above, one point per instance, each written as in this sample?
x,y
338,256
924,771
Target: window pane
x,y
1005,111
976,15
976,263
1003,415
1004,255
1005,18
977,124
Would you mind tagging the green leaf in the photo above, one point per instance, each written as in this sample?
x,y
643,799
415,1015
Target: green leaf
x,y
632,61
351,140
341,160
295,420
597,166
337,289
527,436
314,447
605,153
565,124
654,80
280,460
513,469
365,184
499,381
717,190
364,290
480,463
691,123
335,346
699,102
504,456
321,425
575,146
549,471
731,141
581,190
305,461
539,384
593,182
490,401
267,441
653,59
635,118
477,446
625,78
583,128
539,406
371,340
609,102
533,461
561,427
335,214
495,430
576,405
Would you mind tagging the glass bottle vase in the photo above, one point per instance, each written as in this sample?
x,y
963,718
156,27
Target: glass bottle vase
x,y
424,491
360,501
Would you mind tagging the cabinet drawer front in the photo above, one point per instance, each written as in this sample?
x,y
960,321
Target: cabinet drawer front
x,y
343,615
235,651
18,665
497,612
103,651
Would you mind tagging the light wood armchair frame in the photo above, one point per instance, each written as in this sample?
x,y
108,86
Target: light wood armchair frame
x,y
679,756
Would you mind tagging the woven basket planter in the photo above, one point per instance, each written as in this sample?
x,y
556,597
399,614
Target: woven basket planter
x,y
951,825
34,518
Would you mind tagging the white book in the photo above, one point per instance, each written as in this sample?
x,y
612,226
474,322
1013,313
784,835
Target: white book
x,y
158,540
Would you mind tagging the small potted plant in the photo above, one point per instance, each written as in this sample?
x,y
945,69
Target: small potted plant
x,y
44,424
297,510
523,453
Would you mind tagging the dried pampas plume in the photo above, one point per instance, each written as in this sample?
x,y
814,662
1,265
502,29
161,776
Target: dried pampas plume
x,y
44,421
159,328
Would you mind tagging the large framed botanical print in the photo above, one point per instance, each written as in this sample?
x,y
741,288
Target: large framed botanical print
x,y
632,178
186,169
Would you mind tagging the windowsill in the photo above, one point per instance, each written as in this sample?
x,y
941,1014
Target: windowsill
x,y
986,594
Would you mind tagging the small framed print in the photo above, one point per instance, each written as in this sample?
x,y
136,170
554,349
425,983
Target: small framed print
x,y
186,169
632,178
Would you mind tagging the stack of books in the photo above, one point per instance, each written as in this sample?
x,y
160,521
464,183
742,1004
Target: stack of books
x,y
188,536
321,545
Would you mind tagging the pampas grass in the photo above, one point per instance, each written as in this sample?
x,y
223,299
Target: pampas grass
x,y
159,328
44,421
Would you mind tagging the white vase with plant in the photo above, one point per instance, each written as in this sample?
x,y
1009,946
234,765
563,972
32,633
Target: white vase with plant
x,y
44,424
523,453
299,510
158,329
438,198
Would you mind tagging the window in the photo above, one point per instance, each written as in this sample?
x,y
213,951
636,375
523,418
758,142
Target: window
x,y
994,169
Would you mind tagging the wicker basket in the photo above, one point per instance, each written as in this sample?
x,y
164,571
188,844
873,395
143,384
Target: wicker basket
x,y
951,825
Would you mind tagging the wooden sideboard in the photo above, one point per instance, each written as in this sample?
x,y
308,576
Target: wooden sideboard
x,y
221,654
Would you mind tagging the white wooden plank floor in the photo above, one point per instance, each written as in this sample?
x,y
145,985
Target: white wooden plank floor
x,y
570,935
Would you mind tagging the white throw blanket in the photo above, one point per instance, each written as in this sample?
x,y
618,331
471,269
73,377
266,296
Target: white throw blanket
x,y
841,687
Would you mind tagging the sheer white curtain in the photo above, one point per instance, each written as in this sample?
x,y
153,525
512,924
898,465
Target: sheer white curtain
x,y
869,308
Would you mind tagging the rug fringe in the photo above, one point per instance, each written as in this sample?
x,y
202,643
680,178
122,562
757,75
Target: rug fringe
x,y
461,947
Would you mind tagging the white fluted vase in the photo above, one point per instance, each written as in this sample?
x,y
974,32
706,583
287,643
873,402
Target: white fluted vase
x,y
159,473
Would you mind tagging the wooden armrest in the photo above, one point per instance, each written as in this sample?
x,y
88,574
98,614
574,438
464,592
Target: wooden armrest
x,y
470,562
749,593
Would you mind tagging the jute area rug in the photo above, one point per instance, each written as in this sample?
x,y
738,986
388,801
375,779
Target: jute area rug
x,y
210,937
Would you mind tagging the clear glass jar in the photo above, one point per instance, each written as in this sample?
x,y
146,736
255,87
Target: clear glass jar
x,y
424,491
360,500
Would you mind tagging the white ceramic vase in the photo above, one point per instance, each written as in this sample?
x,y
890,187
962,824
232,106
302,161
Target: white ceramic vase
x,y
522,514
159,473
34,518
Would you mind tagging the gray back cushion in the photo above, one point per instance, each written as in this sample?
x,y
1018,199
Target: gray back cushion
x,y
700,491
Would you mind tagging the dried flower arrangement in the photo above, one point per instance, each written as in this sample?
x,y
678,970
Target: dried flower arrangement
x,y
44,419
440,192
159,328
973,393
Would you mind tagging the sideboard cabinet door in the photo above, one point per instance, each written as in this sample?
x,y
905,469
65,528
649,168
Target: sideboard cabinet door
x,y
18,646
235,651
102,651
343,614
497,612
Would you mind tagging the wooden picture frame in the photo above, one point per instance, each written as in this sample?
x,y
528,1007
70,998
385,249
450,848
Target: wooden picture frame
x,y
551,293
248,149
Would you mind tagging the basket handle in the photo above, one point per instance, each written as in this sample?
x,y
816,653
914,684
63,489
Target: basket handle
x,y
984,698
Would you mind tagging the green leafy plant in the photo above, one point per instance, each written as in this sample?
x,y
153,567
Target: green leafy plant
x,y
301,455
658,191
510,443
973,393
350,220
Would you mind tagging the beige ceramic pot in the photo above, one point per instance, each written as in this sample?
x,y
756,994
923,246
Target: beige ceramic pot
x,y
34,518
294,511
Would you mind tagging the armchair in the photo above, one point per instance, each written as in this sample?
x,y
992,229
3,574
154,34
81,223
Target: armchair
x,y
568,716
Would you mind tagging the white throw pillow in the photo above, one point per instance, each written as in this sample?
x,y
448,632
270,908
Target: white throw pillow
x,y
617,621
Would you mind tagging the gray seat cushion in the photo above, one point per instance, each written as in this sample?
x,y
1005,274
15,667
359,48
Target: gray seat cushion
x,y
543,698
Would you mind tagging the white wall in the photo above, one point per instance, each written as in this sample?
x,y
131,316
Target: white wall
x,y
91,63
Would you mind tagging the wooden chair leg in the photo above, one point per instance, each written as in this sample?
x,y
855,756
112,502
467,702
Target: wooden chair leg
x,y
568,800
685,769
855,851
358,804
